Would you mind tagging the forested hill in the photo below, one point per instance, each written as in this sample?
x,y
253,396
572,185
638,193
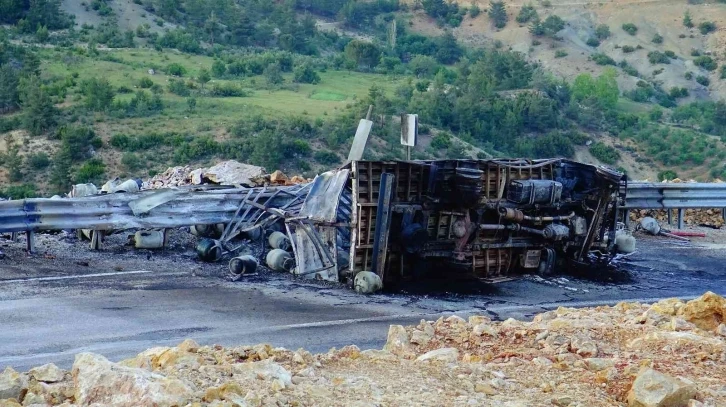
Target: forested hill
x,y
93,90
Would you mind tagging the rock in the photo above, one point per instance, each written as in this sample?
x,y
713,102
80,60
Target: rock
x,y
397,341
654,389
189,345
598,364
694,403
668,307
100,382
10,403
419,337
583,346
706,311
721,330
31,399
265,369
278,177
12,384
680,324
542,361
233,173
48,373
195,177
455,319
478,319
562,401
484,329
485,388
228,391
442,355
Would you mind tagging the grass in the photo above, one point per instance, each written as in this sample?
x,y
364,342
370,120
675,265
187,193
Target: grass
x,y
629,106
331,95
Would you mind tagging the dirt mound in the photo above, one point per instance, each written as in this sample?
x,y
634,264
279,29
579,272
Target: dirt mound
x,y
668,354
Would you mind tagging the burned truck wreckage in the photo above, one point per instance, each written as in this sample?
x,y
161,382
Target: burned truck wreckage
x,y
375,224
370,224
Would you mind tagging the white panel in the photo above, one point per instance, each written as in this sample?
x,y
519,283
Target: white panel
x,y
360,140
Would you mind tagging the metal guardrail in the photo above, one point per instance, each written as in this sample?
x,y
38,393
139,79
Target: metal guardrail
x,y
679,196
649,195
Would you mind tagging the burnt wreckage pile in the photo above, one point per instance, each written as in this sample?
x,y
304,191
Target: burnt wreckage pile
x,y
376,223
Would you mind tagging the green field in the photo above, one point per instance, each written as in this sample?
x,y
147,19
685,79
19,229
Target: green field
x,y
126,67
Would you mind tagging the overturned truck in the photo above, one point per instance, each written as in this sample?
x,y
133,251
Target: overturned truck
x,y
380,223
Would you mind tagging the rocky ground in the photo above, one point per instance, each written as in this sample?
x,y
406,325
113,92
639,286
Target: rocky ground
x,y
671,353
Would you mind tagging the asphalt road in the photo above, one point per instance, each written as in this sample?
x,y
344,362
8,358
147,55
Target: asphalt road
x,y
65,300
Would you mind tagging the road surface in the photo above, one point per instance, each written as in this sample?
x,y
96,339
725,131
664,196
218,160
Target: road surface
x,y
65,299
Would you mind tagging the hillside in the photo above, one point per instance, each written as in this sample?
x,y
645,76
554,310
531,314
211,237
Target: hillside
x,y
90,91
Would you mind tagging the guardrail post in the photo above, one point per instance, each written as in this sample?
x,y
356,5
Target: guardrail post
x,y
670,216
723,214
627,218
30,241
680,218
96,238
14,236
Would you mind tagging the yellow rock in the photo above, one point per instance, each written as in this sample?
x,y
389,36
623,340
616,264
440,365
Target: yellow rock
x,y
485,388
706,311
224,392
10,403
668,306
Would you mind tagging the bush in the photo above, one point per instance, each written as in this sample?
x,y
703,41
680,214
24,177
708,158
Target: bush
x,y
707,27
688,75
145,83
723,71
131,162
306,74
657,57
227,90
602,59
593,42
667,175
695,52
176,69
19,191
703,80
677,92
670,54
602,32
604,153
706,62
91,171
630,28
657,39
441,141
38,161
178,87
627,49
498,14
526,14
560,53
326,158
474,11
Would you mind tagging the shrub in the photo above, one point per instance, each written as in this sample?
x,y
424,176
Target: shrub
x,y
602,32
38,161
657,39
667,175
176,69
474,11
91,171
657,57
560,53
145,83
630,28
688,75
677,92
593,42
703,80
604,153
602,59
670,54
326,157
723,71
627,49
178,87
707,27
706,62
131,161
526,14
227,90
306,74
695,52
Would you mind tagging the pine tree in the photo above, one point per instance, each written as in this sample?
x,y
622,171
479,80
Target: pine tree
x,y
687,19
498,14
8,89
39,114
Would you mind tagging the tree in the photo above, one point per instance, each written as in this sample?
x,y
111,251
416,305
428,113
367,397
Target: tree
x,y
98,92
449,50
306,74
39,113
212,27
191,104
42,35
203,77
363,53
273,74
8,89
526,14
218,68
498,14
602,32
90,171
176,69
602,90
687,21
11,11
423,66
